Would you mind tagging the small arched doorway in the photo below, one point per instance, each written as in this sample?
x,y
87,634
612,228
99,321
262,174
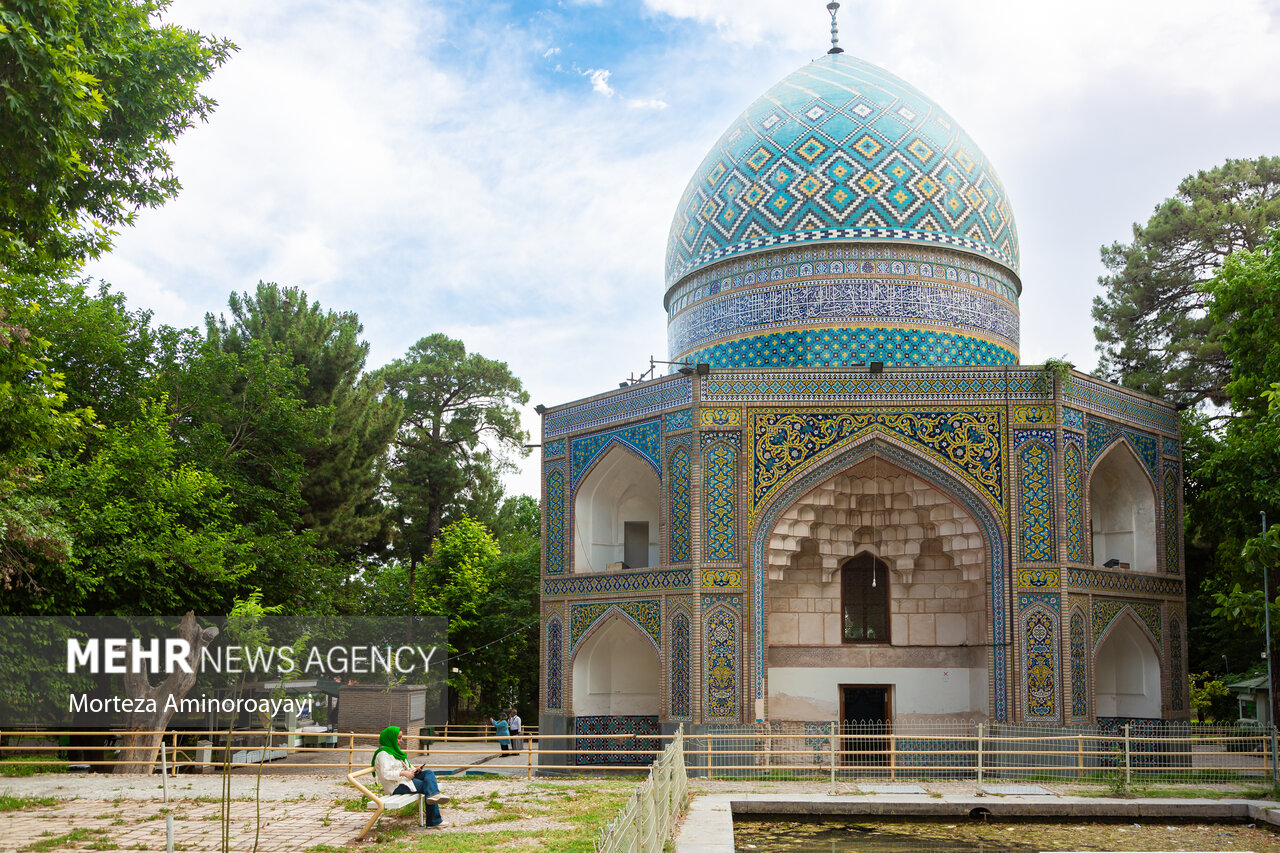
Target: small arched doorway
x,y
616,690
1127,673
615,513
1122,508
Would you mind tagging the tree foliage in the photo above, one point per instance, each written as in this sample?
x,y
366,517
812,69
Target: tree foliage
x,y
460,425
1153,328
91,94
343,463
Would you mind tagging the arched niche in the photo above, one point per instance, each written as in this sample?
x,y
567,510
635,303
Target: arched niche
x,y
1122,509
615,514
616,672
1126,672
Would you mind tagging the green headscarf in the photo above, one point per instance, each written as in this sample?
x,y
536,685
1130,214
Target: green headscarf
x,y
388,743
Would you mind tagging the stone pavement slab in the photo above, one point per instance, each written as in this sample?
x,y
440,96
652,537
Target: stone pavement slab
x,y
891,789
1017,791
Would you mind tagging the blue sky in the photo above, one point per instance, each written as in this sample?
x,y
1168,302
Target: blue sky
x,y
507,172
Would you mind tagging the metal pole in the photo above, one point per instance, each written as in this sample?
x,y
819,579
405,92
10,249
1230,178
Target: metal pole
x,y
979,753
1271,696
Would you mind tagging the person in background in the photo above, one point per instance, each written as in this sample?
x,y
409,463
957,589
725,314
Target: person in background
x,y
398,776
504,732
513,723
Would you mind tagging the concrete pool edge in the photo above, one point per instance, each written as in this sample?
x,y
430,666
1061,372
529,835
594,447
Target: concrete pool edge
x,y
708,825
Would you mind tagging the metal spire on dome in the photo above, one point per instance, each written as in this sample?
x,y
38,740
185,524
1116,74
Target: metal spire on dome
x,y
834,7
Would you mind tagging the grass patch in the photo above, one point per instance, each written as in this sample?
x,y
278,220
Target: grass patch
x,y
13,804
58,842
583,809
31,765
1185,792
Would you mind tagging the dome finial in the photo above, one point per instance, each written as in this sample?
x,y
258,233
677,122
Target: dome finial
x,y
834,7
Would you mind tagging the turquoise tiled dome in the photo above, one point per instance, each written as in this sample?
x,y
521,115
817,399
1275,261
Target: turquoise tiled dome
x,y
841,150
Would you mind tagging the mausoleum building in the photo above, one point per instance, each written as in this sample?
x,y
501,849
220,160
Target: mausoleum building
x,y
849,500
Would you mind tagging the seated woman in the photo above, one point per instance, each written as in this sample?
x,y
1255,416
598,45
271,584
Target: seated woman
x,y
398,776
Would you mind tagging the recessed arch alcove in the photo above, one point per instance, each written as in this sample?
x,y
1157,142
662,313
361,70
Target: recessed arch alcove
x,y
1126,672
1122,510
616,671
615,512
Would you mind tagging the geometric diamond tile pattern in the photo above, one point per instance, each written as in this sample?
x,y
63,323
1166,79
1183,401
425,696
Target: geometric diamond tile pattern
x,y
1177,684
841,147
1102,434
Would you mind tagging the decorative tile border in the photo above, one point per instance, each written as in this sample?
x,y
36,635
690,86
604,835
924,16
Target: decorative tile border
x,y
721,644
1099,580
989,524
720,418
555,538
1103,434
645,614
1035,489
1073,478
784,442
718,578
1113,401
1039,637
710,601
680,677
1041,577
680,506
552,449
645,439
594,584
851,345
952,386
1079,665
1105,611
623,405
679,420
1031,415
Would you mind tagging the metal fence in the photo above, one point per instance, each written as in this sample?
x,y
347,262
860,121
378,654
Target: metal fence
x,y
647,820
1139,751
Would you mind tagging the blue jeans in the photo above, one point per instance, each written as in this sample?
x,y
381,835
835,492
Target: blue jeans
x,y
424,783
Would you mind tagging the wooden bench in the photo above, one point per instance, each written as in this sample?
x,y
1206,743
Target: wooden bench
x,y
382,802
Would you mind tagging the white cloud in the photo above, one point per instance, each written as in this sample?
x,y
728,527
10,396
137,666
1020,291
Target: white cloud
x,y
356,155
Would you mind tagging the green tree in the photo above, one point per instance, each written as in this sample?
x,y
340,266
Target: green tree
x,y
92,92
1153,331
343,465
461,424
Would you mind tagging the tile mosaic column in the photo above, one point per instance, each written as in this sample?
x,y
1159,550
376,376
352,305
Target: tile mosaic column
x,y
555,664
721,636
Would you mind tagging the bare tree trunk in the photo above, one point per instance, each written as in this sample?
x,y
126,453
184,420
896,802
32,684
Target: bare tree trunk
x,y
145,730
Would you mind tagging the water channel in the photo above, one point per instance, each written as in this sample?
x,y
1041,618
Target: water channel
x,y
1007,836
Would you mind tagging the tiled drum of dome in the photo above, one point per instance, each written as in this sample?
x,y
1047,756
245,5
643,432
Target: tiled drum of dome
x,y
555,648
1037,505
555,522
681,673
1073,474
721,518
841,149
679,506
842,347
1079,672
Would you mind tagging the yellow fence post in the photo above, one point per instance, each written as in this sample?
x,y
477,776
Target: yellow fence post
x,y
833,756
351,752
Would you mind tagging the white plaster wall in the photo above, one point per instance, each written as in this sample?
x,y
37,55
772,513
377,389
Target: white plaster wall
x,y
1127,673
1123,511
813,693
615,672
621,488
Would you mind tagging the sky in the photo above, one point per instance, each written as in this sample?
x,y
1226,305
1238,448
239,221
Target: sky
x,y
507,172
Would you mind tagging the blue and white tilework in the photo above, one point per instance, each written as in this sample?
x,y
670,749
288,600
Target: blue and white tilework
x,y
1118,402
721,644
645,614
679,420
552,449
645,439
841,149
619,406
917,385
555,655
982,512
1102,434
605,582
